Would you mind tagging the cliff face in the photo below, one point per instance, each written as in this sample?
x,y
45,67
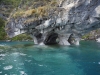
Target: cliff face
x,y
55,21
6,7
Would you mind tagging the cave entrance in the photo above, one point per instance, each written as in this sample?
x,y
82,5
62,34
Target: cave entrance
x,y
71,39
51,39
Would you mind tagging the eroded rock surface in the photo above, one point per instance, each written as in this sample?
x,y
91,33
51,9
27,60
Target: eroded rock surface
x,y
62,18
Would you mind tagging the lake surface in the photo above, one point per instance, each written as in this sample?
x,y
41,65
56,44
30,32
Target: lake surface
x,y
24,58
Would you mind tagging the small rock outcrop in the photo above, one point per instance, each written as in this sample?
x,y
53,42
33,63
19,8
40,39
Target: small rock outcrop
x,y
55,20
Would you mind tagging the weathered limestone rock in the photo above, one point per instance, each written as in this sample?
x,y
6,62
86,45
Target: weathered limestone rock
x,y
76,17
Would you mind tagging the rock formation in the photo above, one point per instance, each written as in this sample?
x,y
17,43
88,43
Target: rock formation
x,y
55,21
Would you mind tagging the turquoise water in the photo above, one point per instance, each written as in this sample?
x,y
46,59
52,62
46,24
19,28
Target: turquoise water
x,y
24,58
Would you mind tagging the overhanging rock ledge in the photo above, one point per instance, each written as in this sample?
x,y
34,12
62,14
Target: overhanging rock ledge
x,y
64,23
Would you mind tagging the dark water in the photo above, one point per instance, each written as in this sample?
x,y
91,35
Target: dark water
x,y
24,58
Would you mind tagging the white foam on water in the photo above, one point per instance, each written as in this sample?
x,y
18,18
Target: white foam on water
x,y
8,67
77,43
23,54
29,60
15,60
2,55
3,45
0,71
41,44
16,53
40,65
22,73
98,62
98,40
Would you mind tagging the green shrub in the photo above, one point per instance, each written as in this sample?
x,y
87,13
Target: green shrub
x,y
21,37
2,30
12,2
86,36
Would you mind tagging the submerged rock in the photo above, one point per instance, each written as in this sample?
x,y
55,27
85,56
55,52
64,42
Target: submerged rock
x,y
64,18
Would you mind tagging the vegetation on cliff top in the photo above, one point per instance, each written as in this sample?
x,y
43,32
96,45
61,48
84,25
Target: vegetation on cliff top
x,y
11,4
15,3
36,9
